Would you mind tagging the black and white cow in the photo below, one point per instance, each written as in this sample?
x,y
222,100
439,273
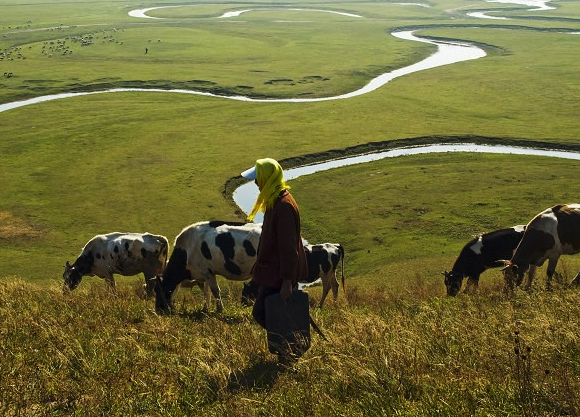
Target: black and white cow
x,y
322,262
204,250
550,234
481,253
119,253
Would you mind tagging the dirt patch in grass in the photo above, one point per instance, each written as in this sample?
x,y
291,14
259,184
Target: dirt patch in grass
x,y
12,227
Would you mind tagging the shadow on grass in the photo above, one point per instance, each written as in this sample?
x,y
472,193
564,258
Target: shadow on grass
x,y
201,315
260,376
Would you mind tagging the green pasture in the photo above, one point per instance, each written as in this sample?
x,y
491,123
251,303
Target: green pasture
x,y
72,168
236,59
32,15
159,161
257,55
421,210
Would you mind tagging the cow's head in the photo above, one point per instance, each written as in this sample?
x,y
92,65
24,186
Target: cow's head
x,y
250,293
163,296
72,276
453,282
512,274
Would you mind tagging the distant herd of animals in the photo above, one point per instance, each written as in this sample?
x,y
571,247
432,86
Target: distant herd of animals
x,y
206,249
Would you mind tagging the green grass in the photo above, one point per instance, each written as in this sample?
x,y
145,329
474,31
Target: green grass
x,y
423,209
338,54
157,162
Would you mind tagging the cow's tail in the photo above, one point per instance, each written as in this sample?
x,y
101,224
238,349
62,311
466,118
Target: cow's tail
x,y
341,251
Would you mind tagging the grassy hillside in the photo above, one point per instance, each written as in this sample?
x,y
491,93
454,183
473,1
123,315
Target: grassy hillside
x,y
156,162
389,353
423,209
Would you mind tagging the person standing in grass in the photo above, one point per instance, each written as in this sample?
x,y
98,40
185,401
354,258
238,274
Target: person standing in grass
x,y
281,260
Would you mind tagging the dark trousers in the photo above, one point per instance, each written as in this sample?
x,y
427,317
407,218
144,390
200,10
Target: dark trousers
x,y
259,310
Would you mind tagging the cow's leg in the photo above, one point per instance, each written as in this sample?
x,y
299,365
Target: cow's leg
x,y
325,288
558,277
530,277
550,272
334,284
207,297
211,284
149,284
472,284
576,281
110,281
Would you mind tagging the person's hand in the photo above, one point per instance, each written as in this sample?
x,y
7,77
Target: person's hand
x,y
286,290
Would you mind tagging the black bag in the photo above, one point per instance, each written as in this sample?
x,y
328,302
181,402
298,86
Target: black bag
x,y
288,324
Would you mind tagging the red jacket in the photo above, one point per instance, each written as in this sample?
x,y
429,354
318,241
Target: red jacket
x,y
281,254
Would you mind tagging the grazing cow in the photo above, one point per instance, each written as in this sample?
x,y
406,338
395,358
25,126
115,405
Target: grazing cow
x,y
119,253
481,253
322,262
204,250
550,234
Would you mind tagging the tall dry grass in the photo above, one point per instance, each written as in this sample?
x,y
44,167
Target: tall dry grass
x,y
390,352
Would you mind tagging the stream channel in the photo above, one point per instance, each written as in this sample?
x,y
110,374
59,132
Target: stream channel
x,y
245,195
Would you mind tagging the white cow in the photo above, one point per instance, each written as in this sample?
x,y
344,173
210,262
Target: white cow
x,y
119,253
322,264
204,250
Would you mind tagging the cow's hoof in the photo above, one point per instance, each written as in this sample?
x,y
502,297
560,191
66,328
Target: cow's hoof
x,y
163,311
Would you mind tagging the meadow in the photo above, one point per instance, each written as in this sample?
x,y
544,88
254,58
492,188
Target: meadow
x,y
157,162
406,353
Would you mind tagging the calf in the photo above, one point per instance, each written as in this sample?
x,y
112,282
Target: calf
x,y
204,250
550,234
481,253
119,253
322,262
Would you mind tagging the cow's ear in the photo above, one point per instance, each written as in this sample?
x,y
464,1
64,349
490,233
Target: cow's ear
x,y
67,265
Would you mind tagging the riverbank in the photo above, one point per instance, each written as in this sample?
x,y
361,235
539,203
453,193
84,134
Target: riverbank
x,y
233,183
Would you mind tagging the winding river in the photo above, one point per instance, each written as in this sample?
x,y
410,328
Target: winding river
x,y
536,5
246,194
447,53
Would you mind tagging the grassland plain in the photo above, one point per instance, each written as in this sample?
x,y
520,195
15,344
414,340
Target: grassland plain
x,y
159,161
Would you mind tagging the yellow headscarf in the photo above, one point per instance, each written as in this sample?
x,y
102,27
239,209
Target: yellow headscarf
x,y
270,179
